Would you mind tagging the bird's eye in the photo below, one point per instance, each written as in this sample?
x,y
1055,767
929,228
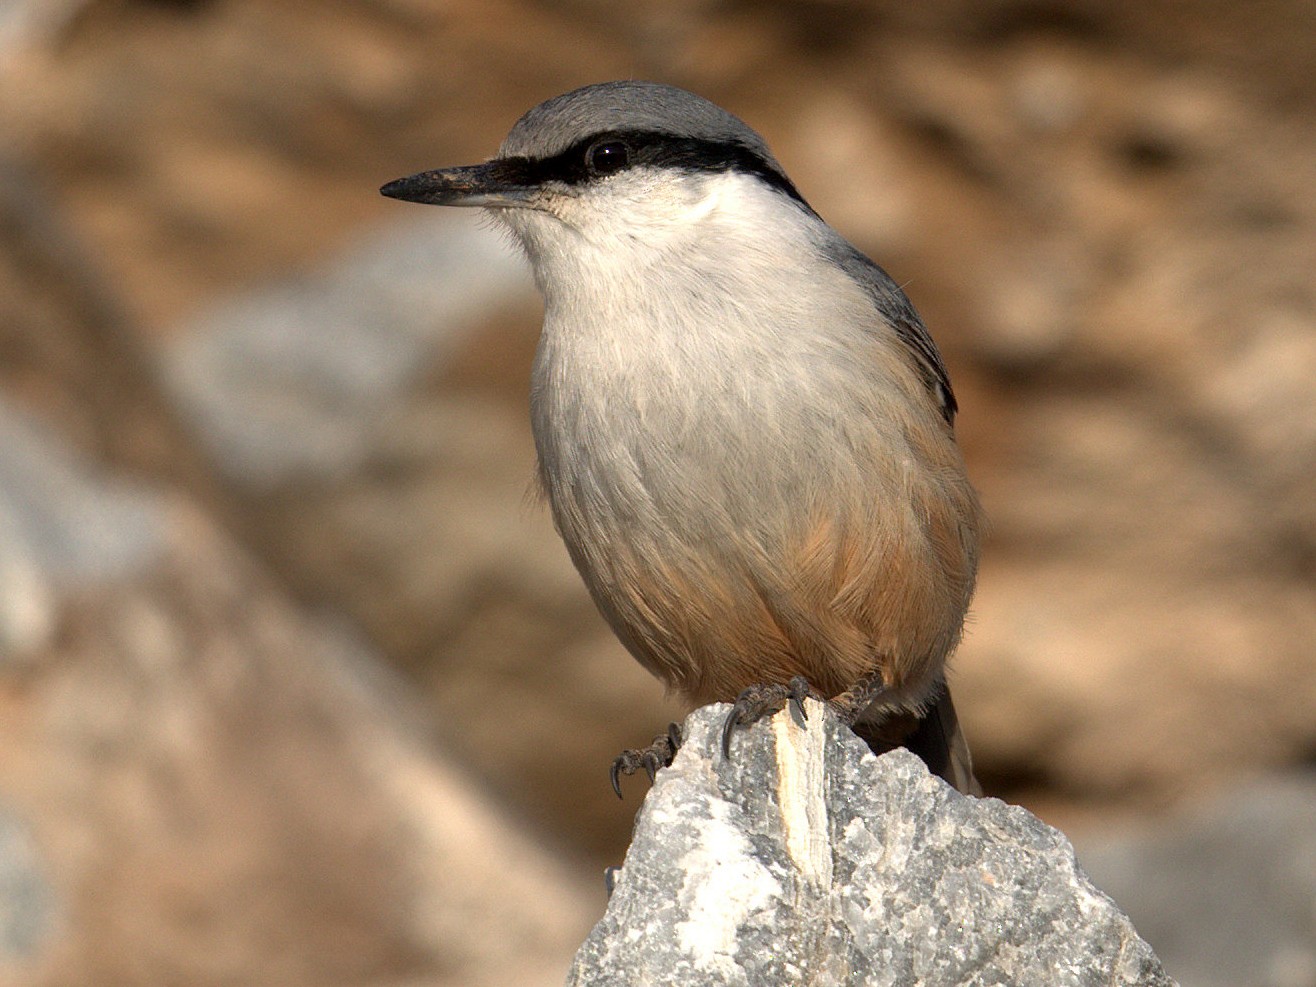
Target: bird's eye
x,y
607,157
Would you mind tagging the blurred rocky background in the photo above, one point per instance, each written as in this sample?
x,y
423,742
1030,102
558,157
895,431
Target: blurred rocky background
x,y
297,683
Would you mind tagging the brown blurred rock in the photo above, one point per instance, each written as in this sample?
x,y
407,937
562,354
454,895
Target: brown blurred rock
x,y
225,790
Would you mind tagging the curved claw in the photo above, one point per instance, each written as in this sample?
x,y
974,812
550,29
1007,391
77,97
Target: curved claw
x,y
614,775
736,717
728,727
675,737
799,690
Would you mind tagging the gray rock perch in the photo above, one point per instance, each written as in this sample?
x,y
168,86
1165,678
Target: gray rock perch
x,y
806,860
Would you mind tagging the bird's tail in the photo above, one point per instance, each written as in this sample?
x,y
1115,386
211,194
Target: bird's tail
x,y
934,735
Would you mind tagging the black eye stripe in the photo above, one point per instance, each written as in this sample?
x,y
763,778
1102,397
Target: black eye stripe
x,y
653,149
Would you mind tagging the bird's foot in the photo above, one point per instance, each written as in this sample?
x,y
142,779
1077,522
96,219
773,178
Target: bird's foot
x,y
852,703
763,700
657,755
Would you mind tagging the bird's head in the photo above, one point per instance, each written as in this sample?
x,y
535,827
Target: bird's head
x,y
616,164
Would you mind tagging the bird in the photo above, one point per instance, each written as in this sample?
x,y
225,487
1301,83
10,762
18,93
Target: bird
x,y
744,431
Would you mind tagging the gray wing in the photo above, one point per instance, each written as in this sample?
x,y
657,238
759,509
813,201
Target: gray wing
x,y
899,312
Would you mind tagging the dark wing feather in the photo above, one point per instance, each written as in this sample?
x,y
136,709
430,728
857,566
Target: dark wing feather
x,y
933,734
899,313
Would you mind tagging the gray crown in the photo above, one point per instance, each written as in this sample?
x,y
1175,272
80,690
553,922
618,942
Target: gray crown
x,y
557,123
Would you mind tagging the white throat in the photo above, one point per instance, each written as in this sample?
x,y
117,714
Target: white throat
x,y
657,261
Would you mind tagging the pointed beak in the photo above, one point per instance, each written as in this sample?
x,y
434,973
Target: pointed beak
x,y
500,183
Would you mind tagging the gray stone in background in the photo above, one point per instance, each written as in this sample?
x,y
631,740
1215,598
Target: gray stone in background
x,y
27,901
807,860
282,384
30,23
62,527
1226,894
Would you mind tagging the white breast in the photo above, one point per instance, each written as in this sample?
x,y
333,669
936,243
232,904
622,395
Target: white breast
x,y
699,358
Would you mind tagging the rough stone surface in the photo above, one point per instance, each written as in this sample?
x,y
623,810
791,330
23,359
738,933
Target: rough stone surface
x,y
806,860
